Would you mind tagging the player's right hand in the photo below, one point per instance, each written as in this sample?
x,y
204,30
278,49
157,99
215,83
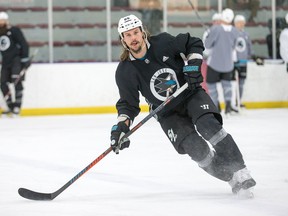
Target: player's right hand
x,y
117,141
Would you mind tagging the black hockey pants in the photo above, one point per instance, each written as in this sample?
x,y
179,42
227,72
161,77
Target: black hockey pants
x,y
220,161
9,74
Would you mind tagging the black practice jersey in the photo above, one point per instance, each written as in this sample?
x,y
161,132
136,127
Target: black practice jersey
x,y
12,44
156,76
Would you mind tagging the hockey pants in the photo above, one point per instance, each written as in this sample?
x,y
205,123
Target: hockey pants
x,y
10,74
220,159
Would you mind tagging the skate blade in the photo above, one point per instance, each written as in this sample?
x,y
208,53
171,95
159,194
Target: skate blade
x,y
245,194
6,116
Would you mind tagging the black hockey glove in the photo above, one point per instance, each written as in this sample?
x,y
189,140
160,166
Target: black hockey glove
x,y
117,133
258,60
192,73
25,63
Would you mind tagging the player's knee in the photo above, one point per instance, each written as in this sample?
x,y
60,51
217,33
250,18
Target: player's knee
x,y
4,87
209,126
3,83
195,146
207,160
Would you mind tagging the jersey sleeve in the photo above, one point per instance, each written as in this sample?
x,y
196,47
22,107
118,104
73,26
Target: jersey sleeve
x,y
211,37
187,44
21,41
126,80
250,46
284,45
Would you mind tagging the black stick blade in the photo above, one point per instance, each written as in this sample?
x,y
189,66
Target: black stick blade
x,y
32,195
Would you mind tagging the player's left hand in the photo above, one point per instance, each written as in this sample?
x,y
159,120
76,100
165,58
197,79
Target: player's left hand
x,y
258,60
192,73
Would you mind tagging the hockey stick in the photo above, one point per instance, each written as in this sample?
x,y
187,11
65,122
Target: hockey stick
x,y
32,195
198,16
238,91
21,74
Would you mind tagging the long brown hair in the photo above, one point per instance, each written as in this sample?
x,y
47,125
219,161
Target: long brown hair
x,y
125,51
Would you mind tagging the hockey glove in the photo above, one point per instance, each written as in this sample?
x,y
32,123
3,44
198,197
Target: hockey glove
x,y
117,133
25,63
258,60
192,73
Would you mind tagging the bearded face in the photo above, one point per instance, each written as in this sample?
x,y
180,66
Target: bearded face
x,y
3,30
3,27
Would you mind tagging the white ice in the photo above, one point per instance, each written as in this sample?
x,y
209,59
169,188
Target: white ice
x,y
148,179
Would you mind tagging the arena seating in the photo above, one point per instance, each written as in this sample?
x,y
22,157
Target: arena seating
x,y
80,27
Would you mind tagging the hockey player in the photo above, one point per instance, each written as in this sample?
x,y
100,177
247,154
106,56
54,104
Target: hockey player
x,y
283,39
216,20
15,57
244,53
153,66
221,40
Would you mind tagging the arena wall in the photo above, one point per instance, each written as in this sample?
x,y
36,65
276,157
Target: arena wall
x,y
83,88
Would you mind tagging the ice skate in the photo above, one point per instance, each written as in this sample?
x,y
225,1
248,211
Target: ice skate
x,y
246,193
6,114
16,112
242,184
229,109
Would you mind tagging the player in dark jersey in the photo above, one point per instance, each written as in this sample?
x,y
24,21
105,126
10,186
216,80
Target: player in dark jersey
x,y
153,66
15,57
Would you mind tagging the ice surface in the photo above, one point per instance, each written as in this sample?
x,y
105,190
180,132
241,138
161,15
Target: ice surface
x,y
148,179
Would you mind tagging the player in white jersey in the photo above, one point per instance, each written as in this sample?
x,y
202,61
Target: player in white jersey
x,y
216,20
221,40
244,52
284,43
